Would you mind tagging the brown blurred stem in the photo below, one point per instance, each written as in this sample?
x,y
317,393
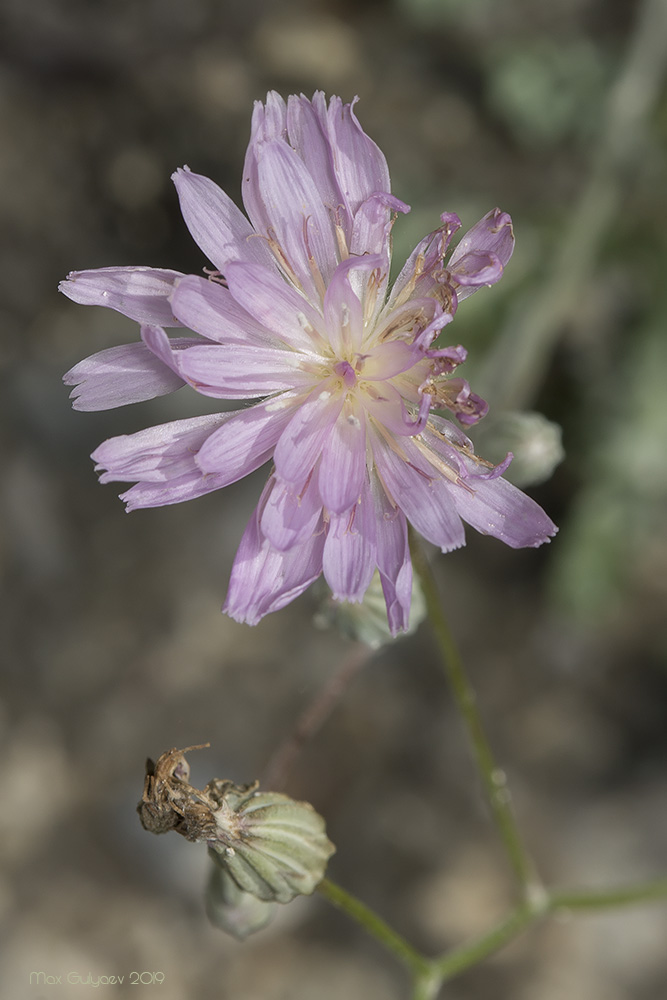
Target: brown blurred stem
x,y
313,718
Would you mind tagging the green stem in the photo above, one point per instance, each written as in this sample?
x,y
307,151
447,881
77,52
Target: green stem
x,y
493,778
460,959
608,899
376,927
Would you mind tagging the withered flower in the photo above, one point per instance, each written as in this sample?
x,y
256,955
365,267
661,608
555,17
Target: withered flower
x,y
270,845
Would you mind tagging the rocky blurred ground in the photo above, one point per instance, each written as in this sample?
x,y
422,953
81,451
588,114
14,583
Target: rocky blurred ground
x,y
112,641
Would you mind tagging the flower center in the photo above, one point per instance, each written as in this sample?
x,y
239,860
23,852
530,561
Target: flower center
x,y
345,371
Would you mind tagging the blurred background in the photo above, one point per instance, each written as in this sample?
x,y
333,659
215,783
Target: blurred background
x,y
112,640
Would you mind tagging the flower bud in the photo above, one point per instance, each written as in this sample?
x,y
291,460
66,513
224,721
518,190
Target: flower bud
x,y
367,621
534,441
232,910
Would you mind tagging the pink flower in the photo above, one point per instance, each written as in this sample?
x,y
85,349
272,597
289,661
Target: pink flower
x,y
298,315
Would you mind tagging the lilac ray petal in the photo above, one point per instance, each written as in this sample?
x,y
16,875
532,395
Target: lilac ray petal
x,y
141,293
118,376
420,492
373,221
360,166
398,611
393,558
264,580
269,120
167,349
343,314
418,280
390,359
275,304
444,314
244,371
290,515
495,507
491,235
343,463
474,270
212,311
217,225
156,454
189,486
348,561
450,443
296,215
385,404
247,440
301,443
307,134
366,276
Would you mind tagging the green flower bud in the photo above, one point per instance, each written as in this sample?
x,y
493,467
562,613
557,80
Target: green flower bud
x,y
232,910
535,442
367,621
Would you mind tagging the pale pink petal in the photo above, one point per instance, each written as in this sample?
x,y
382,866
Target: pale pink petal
x,y
295,214
389,359
343,463
142,293
186,487
360,166
247,440
118,376
393,558
371,230
244,371
167,349
350,550
482,253
291,515
156,454
429,252
385,404
495,507
307,134
216,224
276,305
302,441
343,314
420,491
264,580
212,311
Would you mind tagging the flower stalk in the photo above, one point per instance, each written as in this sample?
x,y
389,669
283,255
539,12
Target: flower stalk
x,y
492,776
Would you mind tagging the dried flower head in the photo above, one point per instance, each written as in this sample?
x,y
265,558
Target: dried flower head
x,y
270,845
297,313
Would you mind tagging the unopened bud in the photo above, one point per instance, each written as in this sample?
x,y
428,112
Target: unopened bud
x,y
367,621
232,910
535,442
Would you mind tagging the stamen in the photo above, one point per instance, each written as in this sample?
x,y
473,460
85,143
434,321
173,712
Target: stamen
x,y
446,470
341,239
408,289
372,291
279,254
312,263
